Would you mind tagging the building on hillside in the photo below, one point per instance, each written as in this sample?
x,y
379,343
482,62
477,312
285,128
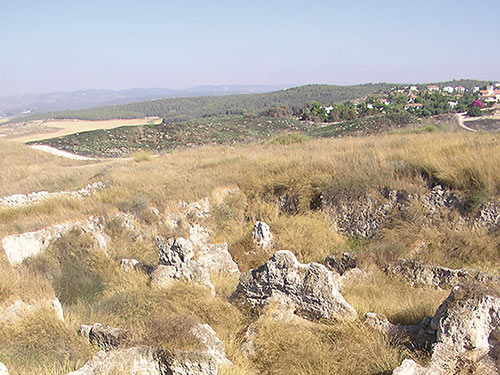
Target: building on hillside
x,y
497,85
432,88
452,104
490,95
413,88
413,106
476,89
448,89
460,89
329,109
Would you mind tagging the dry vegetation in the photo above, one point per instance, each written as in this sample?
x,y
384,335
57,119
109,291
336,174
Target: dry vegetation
x,y
92,288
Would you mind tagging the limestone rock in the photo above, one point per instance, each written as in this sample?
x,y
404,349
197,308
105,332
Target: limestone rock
x,y
410,367
262,235
468,324
18,309
310,288
180,259
488,216
21,246
467,327
103,336
18,200
152,361
134,361
346,262
3,369
442,277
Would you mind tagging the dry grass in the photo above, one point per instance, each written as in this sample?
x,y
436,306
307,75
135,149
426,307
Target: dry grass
x,y
93,289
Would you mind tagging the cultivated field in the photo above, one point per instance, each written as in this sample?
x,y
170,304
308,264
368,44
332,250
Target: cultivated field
x,y
42,129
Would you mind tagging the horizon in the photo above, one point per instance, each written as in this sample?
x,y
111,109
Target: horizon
x,y
124,45
285,87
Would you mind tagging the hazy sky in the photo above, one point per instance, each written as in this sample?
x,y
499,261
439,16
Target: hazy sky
x,y
50,45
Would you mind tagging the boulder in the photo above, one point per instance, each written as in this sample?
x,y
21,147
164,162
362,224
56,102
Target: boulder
x,y
309,288
18,309
467,329
345,262
181,259
135,361
442,277
262,235
144,360
3,369
103,336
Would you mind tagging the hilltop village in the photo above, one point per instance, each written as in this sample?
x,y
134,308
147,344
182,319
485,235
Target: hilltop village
x,y
419,100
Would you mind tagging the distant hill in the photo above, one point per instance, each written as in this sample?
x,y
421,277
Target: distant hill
x,y
17,105
192,106
181,109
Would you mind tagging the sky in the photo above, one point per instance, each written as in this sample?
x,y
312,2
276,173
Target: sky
x,y
56,45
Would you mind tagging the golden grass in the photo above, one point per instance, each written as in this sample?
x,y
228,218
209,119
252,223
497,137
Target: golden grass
x,y
58,128
468,163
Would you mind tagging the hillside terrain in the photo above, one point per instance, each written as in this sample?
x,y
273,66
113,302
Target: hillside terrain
x,y
157,250
181,109
25,104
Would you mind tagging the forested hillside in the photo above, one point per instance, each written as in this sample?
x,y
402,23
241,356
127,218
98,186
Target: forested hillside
x,y
181,109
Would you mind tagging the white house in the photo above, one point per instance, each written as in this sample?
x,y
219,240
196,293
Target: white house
x,y
476,89
328,109
413,88
448,89
452,104
460,89
432,88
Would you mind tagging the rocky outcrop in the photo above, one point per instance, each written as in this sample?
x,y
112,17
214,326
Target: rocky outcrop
x,y
262,235
342,264
182,259
488,216
442,277
18,309
467,328
18,200
104,337
363,216
3,369
21,246
153,361
309,288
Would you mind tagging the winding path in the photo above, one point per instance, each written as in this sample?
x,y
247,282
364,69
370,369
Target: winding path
x,y
461,122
